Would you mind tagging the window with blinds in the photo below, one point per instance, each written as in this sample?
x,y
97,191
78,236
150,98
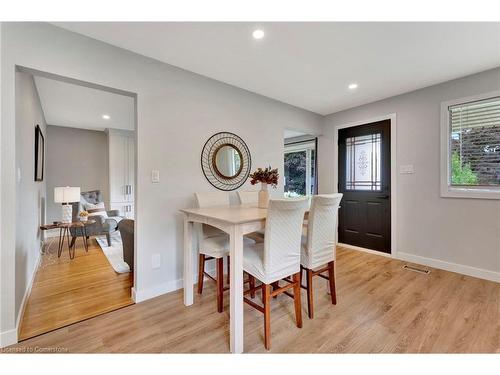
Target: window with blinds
x,y
475,143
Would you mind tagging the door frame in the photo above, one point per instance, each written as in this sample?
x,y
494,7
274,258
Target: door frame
x,y
394,182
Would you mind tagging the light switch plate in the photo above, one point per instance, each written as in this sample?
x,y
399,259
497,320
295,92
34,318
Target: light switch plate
x,y
406,169
155,261
155,176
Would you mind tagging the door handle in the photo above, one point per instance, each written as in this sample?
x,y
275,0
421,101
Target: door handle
x,y
383,197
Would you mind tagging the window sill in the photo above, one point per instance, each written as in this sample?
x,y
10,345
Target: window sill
x,y
473,193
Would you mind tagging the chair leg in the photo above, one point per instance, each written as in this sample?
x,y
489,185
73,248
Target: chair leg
x,y
251,283
331,278
220,284
266,291
108,237
296,299
275,286
73,240
201,269
228,268
310,306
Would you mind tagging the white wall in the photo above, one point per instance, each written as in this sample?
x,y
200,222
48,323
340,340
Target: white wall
x,y
463,232
75,157
30,194
177,112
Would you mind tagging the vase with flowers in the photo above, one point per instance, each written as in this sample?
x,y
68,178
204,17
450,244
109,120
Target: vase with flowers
x,y
266,177
84,216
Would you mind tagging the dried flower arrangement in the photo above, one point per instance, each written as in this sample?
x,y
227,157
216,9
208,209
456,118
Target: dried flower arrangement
x,y
84,215
266,176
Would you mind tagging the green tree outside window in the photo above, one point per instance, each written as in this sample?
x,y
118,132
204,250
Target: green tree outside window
x,y
461,174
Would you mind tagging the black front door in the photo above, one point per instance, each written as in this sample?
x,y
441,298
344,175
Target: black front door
x,y
365,180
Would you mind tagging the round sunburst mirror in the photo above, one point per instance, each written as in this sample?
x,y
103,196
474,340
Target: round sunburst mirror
x,y
226,161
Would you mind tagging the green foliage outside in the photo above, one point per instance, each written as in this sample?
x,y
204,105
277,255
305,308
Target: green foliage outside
x,y
295,173
461,174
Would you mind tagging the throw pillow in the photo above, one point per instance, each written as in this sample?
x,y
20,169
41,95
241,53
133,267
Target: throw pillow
x,y
96,209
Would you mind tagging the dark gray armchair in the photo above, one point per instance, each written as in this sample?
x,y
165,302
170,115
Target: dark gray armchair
x,y
102,225
126,227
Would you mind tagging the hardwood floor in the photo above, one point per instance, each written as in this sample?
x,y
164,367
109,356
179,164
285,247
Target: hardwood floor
x,y
67,291
380,308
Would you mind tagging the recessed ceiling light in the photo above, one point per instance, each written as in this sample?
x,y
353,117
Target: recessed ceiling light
x,y
258,34
106,117
353,86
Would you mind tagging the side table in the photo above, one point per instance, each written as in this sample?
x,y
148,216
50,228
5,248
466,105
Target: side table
x,y
64,232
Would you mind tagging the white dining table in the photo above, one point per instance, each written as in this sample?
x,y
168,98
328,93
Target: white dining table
x,y
236,221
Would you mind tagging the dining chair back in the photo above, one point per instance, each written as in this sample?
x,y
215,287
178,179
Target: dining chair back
x,y
213,243
251,197
321,231
247,197
212,198
282,239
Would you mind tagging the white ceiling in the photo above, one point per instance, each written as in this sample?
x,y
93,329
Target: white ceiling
x,y
310,65
75,106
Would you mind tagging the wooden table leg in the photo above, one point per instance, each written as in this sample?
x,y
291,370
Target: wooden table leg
x,y
61,242
188,262
85,243
71,247
236,290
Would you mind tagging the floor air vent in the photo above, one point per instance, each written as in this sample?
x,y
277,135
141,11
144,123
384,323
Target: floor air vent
x,y
416,269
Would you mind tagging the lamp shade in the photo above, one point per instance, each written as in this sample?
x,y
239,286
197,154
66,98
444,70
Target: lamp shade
x,y
66,194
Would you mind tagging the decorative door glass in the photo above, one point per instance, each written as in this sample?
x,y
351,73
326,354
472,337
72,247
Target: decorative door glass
x,y
363,162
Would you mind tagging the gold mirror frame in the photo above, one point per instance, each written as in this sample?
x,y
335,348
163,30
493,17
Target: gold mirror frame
x,y
214,161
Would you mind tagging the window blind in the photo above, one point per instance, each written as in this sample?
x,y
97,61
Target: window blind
x,y
475,143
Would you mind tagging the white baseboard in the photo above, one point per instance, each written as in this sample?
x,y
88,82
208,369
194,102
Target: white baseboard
x,y
452,267
27,292
157,290
8,338
374,252
435,263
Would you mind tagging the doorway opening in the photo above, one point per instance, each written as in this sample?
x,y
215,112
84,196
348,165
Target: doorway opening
x,y
300,164
78,256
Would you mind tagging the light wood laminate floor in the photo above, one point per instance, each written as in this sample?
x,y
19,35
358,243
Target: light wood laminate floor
x,y
66,291
381,308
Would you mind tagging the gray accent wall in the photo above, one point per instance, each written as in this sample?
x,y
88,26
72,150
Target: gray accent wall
x,y
75,157
177,111
31,195
452,233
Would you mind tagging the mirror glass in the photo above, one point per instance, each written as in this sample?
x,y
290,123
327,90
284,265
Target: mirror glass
x,y
227,161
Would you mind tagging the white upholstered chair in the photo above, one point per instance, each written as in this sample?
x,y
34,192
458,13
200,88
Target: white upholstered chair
x,y
213,244
277,258
248,197
251,197
318,252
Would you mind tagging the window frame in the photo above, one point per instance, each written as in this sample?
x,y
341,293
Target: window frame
x,y
307,146
448,190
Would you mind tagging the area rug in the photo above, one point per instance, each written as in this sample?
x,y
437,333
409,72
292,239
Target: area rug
x,y
114,253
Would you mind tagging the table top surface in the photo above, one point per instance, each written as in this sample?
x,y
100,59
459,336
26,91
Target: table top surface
x,y
67,225
233,214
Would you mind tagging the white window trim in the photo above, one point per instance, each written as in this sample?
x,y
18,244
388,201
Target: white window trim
x,y
306,146
448,191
